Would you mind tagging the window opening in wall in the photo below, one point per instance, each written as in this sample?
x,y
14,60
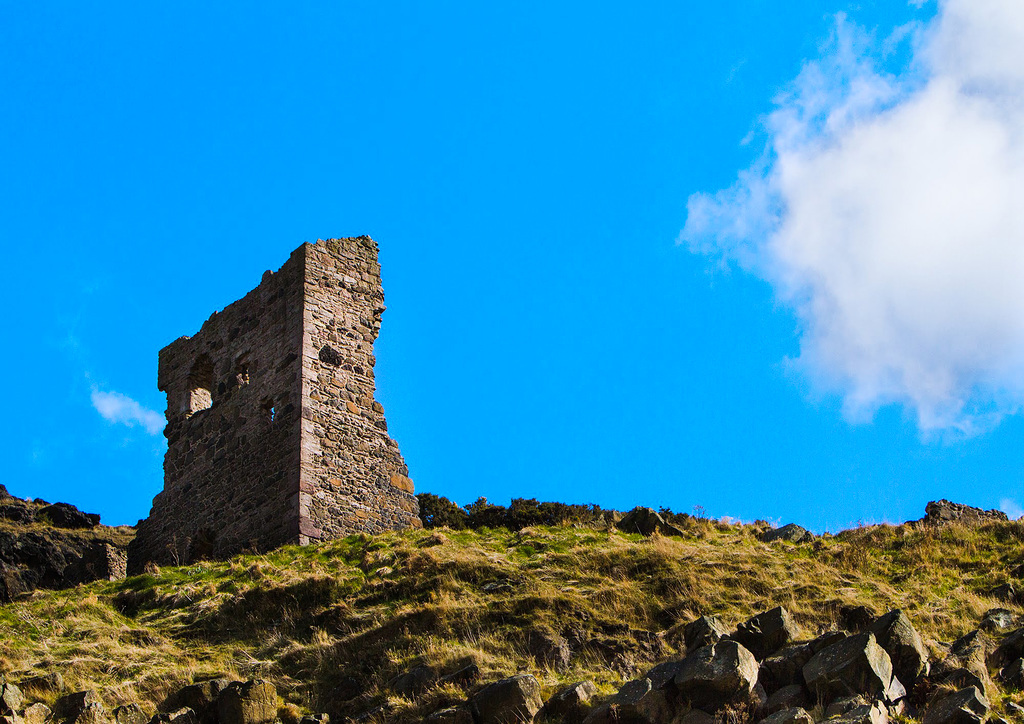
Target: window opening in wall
x,y
200,385
269,411
241,372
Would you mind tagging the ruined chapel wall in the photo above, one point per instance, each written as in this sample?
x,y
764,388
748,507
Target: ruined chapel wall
x,y
231,471
353,475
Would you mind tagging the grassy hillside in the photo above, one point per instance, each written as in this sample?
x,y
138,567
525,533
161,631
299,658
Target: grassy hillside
x,y
331,624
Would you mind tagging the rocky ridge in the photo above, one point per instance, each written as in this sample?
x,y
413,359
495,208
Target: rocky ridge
x,y
44,545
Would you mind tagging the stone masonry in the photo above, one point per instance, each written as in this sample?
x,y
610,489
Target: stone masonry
x,y
273,432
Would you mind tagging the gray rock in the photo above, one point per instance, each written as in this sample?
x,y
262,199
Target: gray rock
x,y
766,632
249,702
1009,649
463,677
646,521
702,632
570,704
508,701
11,699
967,706
130,714
1012,675
663,674
903,643
997,619
52,681
69,706
791,532
785,667
794,715
845,705
413,682
961,678
942,512
319,718
549,649
1008,593
38,713
65,515
201,697
715,675
856,618
94,713
856,665
788,697
633,691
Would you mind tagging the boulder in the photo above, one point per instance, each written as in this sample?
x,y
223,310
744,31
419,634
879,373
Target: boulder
x,y
788,697
70,706
64,515
997,619
646,521
903,643
967,706
11,699
413,682
249,702
94,713
794,715
463,677
844,705
549,649
1012,675
855,665
1007,593
201,697
49,682
508,701
702,632
766,632
451,715
856,618
716,675
570,704
664,673
38,713
785,667
320,718
1009,649
638,701
130,714
943,512
790,532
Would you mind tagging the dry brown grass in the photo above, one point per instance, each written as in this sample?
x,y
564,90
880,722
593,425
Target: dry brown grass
x,y
365,609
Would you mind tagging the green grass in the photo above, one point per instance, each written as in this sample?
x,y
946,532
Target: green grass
x,y
370,608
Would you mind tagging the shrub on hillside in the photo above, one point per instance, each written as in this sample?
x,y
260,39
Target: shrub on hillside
x,y
437,511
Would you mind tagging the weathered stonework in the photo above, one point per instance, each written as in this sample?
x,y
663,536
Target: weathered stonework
x,y
274,435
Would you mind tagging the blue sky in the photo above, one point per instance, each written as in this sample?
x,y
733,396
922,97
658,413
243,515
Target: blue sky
x,y
631,255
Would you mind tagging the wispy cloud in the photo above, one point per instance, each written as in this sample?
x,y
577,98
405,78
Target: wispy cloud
x,y
121,409
1011,507
886,212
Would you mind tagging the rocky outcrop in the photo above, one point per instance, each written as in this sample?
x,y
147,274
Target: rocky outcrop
x,y
646,521
55,546
943,512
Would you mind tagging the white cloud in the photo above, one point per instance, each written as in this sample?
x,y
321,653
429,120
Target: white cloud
x,y
1011,508
118,408
888,212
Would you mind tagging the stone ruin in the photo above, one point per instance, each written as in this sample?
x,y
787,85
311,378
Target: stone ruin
x,y
273,432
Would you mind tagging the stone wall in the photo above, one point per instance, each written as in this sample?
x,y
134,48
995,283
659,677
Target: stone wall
x,y
353,475
273,433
